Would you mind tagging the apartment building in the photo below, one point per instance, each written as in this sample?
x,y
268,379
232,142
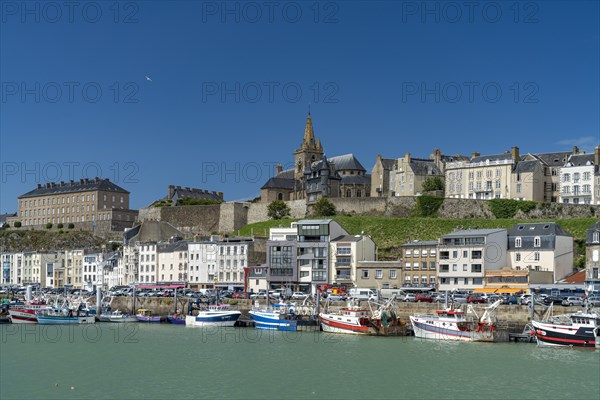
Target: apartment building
x,y
465,256
419,262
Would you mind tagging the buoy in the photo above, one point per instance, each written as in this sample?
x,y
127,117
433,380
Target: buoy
x,y
72,388
56,384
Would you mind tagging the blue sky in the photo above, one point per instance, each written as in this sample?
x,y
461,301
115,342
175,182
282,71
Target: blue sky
x,y
230,87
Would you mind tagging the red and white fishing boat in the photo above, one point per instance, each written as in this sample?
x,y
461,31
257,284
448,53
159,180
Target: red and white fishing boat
x,y
26,313
352,320
359,321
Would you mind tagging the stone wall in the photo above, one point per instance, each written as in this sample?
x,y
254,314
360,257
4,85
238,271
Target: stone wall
x,y
231,216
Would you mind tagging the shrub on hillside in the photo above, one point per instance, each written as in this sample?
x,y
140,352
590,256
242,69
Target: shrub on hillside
x,y
324,208
278,210
507,208
428,206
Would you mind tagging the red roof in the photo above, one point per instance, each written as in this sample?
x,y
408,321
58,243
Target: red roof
x,y
577,277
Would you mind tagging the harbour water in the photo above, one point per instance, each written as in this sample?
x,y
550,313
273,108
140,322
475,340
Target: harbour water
x,y
147,361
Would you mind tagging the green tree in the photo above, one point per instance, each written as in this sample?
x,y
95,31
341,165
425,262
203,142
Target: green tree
x,y
49,225
59,226
324,208
17,224
6,225
278,210
71,226
433,183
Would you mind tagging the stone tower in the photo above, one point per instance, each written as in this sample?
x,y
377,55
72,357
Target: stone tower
x,y
308,152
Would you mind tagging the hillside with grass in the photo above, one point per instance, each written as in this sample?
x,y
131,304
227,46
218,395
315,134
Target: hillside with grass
x,y
29,240
390,233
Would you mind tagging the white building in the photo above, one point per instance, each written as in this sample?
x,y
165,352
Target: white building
x,y
219,263
12,268
577,179
541,247
346,252
465,255
173,262
148,262
92,271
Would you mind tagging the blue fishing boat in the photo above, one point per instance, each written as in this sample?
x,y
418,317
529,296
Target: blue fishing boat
x,y
280,317
65,317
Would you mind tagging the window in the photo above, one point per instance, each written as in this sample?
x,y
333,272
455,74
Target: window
x,y
464,267
536,256
378,274
465,254
518,242
432,265
518,257
407,266
454,267
407,252
596,237
537,242
393,274
365,274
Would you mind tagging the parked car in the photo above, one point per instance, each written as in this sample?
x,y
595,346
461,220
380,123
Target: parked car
x,y
493,298
299,296
335,297
410,297
572,301
260,295
475,299
594,301
440,298
553,300
423,298
459,299
510,300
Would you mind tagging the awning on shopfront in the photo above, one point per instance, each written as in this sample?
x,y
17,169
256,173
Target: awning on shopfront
x,y
485,290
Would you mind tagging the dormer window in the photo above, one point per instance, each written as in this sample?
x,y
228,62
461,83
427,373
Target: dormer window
x,y
596,237
518,242
537,242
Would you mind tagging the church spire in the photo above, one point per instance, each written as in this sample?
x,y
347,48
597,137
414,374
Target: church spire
x,y
309,134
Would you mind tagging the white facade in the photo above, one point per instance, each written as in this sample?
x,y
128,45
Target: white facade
x,y
92,271
12,268
346,252
218,263
147,262
173,263
577,183
464,256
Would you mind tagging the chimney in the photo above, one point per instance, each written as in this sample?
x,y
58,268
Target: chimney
x,y
475,154
575,150
97,180
71,182
278,169
407,158
170,191
39,185
62,183
515,153
597,155
81,181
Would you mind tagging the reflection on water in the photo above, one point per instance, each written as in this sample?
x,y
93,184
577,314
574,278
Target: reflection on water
x,y
164,361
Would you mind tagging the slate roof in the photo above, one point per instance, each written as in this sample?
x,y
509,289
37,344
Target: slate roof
x,y
577,160
389,163
4,216
192,193
348,238
526,166
472,232
356,179
347,162
557,159
180,245
84,185
421,166
537,229
420,243
282,183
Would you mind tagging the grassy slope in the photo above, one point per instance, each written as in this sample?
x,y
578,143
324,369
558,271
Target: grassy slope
x,y
390,233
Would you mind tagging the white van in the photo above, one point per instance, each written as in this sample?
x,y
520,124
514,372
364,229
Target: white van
x,y
361,294
387,294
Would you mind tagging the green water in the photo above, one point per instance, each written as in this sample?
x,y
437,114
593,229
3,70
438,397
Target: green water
x,y
142,361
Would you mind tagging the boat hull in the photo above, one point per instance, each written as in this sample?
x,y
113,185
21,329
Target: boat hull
x,y
23,316
142,318
60,320
213,318
333,323
429,328
176,320
272,321
564,336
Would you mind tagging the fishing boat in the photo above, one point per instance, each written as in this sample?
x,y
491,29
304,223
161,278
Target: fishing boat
x,y
176,319
25,313
64,317
453,324
580,329
214,315
361,321
144,315
279,317
116,316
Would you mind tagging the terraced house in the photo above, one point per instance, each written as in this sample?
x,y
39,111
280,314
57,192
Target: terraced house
x,y
419,262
